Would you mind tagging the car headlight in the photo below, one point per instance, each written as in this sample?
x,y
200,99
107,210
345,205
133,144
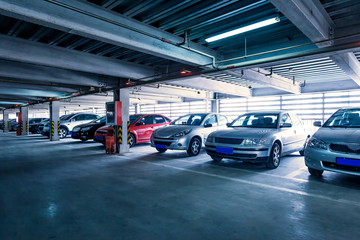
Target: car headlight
x,y
181,134
210,139
76,129
317,143
253,141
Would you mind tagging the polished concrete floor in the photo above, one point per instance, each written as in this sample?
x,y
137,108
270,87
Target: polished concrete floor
x,y
72,190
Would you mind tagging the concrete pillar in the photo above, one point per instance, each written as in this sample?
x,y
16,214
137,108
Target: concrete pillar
x,y
6,121
215,104
54,121
125,99
24,124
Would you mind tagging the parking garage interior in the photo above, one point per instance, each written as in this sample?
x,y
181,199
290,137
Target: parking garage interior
x,y
294,64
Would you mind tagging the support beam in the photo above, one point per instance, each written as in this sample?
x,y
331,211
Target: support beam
x,y
54,120
208,84
170,90
313,20
125,100
266,78
88,20
6,123
24,120
36,73
20,50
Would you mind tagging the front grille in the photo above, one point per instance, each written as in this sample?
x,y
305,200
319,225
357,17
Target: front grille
x,y
162,143
102,131
343,148
341,167
235,155
228,140
169,138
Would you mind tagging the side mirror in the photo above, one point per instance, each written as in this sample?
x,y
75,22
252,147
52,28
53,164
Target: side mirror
x,y
286,125
317,123
208,125
228,124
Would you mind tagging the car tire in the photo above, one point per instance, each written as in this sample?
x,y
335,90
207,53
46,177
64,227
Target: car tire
x,y
161,150
194,147
274,159
63,132
216,158
132,141
315,172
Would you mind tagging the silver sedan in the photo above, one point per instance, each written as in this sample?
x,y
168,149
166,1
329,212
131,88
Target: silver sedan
x,y
336,145
188,132
259,137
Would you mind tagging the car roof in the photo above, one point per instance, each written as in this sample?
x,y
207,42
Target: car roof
x,y
270,111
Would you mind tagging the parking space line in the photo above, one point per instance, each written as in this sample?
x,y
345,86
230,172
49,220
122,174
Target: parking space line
x,y
283,189
296,172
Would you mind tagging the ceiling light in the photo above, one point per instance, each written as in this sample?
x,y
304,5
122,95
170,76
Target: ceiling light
x,y
244,29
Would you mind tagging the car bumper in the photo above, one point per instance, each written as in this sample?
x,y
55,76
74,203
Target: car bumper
x,y
171,143
326,160
100,138
251,154
80,135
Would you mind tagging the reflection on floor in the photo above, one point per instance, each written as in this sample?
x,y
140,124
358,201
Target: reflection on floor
x,y
73,190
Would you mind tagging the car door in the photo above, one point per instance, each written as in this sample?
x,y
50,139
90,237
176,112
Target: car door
x,y
207,129
159,121
90,118
288,134
300,131
222,122
76,120
144,128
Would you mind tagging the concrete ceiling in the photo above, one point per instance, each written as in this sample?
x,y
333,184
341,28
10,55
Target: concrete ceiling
x,y
58,49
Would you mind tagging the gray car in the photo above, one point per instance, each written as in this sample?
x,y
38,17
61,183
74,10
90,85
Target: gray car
x,y
336,145
261,137
188,132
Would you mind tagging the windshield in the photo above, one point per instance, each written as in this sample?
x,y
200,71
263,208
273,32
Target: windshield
x,y
344,118
66,117
256,120
100,120
135,117
191,119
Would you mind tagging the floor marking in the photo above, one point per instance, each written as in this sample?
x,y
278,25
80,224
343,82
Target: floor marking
x,y
283,189
296,172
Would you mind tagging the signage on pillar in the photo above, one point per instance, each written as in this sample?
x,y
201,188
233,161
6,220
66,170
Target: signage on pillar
x,y
114,113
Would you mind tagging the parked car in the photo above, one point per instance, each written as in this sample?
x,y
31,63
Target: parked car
x,y
44,127
336,145
67,123
34,124
87,131
12,122
141,128
259,137
188,132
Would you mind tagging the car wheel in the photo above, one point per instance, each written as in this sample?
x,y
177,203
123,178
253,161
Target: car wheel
x,y
63,132
194,147
132,140
161,150
274,159
315,172
216,158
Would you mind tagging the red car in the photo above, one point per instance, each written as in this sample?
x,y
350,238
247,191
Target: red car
x,y
141,128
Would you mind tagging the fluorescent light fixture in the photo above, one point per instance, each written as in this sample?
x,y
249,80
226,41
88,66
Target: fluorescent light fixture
x,y
244,29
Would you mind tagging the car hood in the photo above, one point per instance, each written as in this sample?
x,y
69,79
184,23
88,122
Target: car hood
x,y
170,130
244,132
89,125
346,135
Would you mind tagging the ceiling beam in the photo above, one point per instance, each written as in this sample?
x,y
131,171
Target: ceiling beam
x,y
201,82
171,90
16,49
313,20
89,20
266,78
37,73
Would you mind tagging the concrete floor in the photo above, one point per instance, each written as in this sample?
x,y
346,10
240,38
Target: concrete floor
x,y
72,190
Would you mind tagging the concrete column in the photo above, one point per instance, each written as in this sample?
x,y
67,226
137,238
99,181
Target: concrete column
x,y
24,120
125,99
215,104
54,121
6,121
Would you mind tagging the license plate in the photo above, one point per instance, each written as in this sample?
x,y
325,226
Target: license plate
x,y
160,146
348,161
99,137
224,150
73,134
